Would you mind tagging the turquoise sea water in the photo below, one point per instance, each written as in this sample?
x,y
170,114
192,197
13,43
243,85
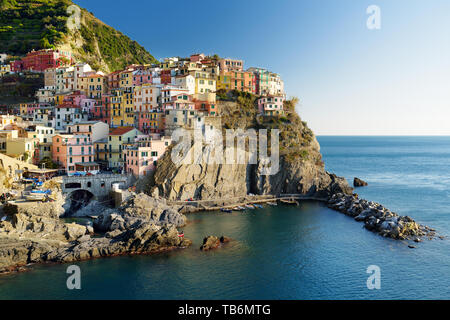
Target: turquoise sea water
x,y
306,252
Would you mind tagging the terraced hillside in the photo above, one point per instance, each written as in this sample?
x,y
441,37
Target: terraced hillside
x,y
39,24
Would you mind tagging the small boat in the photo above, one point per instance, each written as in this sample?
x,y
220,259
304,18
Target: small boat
x,y
239,208
249,206
226,210
258,206
273,204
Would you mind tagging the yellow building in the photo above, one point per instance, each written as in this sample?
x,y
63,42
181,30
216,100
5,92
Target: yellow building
x,y
4,69
101,151
205,82
118,139
93,85
59,98
22,149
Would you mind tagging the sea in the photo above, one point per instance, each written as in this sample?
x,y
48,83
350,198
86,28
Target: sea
x,y
286,252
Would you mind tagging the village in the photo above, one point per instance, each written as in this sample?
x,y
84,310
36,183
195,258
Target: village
x,y
85,122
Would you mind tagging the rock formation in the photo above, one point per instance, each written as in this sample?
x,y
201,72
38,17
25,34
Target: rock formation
x,y
379,219
213,242
359,183
35,233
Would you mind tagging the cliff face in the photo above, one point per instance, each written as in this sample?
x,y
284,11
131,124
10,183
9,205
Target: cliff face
x,y
301,170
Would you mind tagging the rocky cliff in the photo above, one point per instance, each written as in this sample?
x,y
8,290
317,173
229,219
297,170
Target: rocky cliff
x,y
34,233
301,170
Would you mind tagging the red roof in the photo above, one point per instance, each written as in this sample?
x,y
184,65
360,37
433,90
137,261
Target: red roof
x,y
120,131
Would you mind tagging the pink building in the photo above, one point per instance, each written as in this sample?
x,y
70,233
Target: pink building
x,y
74,98
197,57
141,157
227,65
271,105
141,77
74,153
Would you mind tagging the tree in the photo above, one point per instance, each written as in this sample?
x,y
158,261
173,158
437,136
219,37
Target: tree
x,y
48,163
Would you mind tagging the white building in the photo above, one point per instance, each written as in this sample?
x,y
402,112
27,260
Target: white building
x,y
67,114
3,57
186,82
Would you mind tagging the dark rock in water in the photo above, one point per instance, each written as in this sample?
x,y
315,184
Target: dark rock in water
x,y
212,242
359,183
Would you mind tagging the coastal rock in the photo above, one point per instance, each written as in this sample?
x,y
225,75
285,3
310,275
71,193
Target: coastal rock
x,y
213,242
359,183
31,235
209,180
379,219
156,210
210,242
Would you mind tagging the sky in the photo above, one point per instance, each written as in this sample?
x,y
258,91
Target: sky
x,y
351,80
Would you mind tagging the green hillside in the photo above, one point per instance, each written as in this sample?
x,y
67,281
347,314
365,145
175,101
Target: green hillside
x,y
38,24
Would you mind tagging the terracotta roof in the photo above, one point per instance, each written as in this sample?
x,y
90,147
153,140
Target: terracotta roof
x,y
120,131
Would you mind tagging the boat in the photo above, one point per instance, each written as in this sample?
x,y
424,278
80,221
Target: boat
x,y
258,206
226,210
239,208
249,206
273,204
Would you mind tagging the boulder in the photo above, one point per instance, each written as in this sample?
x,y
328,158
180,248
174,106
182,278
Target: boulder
x,y
210,242
359,183
74,231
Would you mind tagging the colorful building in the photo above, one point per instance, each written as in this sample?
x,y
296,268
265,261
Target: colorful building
x,y
271,105
74,153
118,138
41,60
95,130
141,157
237,80
228,64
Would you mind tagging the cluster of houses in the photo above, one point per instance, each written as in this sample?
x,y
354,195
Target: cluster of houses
x,y
87,121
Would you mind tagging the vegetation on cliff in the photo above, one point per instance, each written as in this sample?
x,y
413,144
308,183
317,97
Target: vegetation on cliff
x,y
42,24
297,141
18,88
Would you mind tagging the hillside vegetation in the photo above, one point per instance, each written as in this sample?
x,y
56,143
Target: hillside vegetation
x,y
21,88
42,24
297,141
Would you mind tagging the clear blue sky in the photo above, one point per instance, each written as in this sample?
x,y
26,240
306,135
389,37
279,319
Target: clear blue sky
x,y
350,80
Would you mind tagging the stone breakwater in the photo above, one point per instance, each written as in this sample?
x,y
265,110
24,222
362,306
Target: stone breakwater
x,y
379,219
34,233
